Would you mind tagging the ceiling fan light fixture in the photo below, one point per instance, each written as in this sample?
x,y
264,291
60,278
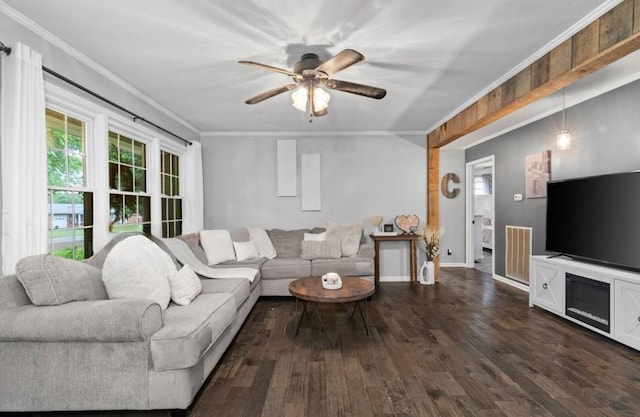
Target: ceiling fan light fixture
x,y
320,99
299,98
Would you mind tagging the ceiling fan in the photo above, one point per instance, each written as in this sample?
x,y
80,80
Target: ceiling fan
x,y
310,74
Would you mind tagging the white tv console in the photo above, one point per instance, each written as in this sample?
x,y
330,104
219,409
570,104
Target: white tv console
x,y
547,291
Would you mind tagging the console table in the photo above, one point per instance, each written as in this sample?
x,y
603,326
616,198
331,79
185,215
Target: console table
x,y
413,263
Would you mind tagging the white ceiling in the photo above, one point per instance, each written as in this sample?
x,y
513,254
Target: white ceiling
x,y
433,57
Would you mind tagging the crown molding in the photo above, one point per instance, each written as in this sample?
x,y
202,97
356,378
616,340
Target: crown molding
x,y
70,50
312,134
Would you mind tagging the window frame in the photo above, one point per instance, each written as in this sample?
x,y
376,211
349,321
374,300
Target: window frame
x,y
99,119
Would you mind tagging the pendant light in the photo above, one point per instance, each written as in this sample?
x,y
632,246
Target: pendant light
x,y
564,137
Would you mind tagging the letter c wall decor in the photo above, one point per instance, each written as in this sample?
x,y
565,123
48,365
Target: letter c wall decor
x,y
444,185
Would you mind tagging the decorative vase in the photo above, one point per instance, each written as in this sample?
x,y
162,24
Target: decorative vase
x,y
428,273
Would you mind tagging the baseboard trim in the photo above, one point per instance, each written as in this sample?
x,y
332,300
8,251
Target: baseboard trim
x,y
453,265
395,278
511,282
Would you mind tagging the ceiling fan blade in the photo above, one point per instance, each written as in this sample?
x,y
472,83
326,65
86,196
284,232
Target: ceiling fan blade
x,y
270,68
271,93
353,88
342,60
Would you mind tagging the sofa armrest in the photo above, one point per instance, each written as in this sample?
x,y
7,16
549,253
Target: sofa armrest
x,y
121,320
366,251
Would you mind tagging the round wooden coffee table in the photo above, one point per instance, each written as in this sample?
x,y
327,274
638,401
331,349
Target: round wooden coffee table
x,y
354,291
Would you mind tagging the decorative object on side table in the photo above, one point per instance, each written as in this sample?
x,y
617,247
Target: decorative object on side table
x,y
407,223
376,221
388,228
431,244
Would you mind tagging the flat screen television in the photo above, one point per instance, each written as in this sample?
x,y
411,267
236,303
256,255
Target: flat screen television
x,y
596,219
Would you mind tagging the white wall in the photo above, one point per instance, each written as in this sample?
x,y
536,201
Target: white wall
x,y
361,176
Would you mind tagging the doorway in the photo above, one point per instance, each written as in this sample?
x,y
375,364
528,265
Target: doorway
x,y
480,214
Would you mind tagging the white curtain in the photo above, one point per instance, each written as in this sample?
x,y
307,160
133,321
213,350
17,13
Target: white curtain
x,y
23,156
193,220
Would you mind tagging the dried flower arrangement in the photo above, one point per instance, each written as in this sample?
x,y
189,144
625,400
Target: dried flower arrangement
x,y
430,240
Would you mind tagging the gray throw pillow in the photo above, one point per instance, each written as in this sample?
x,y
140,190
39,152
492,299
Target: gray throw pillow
x,y
50,280
287,242
325,249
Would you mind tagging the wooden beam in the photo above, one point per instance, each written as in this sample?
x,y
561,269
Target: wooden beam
x,y
433,202
609,38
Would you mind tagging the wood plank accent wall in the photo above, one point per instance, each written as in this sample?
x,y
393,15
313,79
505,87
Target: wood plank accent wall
x,y
609,38
614,35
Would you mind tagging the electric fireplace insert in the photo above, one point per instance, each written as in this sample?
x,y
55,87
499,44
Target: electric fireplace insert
x,y
588,300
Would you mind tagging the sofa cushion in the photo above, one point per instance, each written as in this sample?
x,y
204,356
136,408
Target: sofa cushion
x,y
245,250
312,249
188,332
239,287
185,286
137,268
218,246
263,242
285,268
50,280
12,293
351,266
287,242
349,236
193,242
240,234
316,236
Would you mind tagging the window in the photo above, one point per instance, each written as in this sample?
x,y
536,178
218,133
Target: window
x,y
171,200
70,203
129,202
482,184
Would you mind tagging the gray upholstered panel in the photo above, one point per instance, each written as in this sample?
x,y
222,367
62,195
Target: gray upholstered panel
x,y
193,241
177,388
61,376
82,321
240,234
12,293
366,251
190,330
249,263
320,249
287,242
353,266
51,280
277,268
239,287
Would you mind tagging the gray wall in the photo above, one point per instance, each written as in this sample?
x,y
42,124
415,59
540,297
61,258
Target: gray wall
x,y
452,217
605,138
361,176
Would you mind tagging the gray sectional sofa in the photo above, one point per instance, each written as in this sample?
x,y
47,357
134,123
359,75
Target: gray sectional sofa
x,y
95,353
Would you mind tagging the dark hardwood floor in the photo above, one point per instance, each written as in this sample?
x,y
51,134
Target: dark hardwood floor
x,y
468,346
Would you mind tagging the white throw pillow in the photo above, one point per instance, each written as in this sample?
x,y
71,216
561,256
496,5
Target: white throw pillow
x,y
245,250
263,242
317,237
185,286
218,246
349,236
137,268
